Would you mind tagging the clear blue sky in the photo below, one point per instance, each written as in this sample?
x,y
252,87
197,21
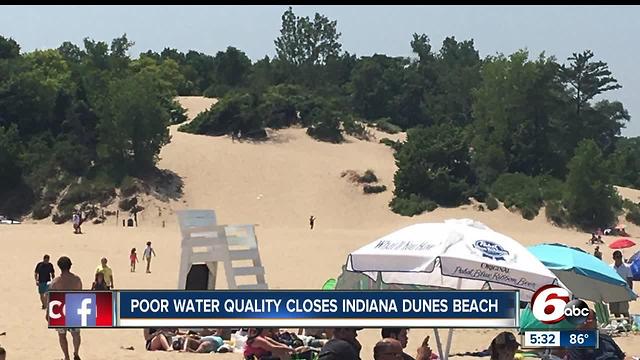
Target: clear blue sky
x,y
610,31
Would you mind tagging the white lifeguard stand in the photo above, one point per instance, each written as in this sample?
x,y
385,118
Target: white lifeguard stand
x,y
206,242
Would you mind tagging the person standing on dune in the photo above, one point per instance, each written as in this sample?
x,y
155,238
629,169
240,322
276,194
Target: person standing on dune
x,y
312,221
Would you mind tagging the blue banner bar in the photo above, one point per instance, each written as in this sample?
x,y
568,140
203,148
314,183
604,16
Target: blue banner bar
x,y
309,308
579,339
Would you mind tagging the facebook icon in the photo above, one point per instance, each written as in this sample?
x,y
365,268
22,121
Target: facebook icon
x,y
80,310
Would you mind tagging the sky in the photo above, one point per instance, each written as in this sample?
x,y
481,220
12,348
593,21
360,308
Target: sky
x,y
609,31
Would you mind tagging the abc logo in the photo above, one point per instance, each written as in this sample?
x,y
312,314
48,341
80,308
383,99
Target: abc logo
x,y
552,304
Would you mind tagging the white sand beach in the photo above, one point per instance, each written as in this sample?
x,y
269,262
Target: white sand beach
x,y
277,185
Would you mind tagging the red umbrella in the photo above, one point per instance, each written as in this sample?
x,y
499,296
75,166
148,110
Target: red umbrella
x,y
622,243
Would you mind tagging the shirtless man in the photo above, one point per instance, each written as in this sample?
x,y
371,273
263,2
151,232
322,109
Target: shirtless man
x,y
67,281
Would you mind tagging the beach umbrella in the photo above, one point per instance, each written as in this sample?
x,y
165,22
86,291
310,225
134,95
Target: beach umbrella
x,y
622,243
528,322
329,284
457,254
586,276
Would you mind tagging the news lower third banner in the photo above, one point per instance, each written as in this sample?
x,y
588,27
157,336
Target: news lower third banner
x,y
295,308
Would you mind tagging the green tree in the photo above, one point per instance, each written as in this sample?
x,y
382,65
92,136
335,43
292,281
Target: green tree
x,y
587,78
375,83
457,73
280,104
28,100
433,163
624,162
262,75
97,54
306,41
9,48
166,75
118,55
421,46
235,112
514,111
232,67
337,70
603,123
198,70
133,125
71,52
10,175
173,54
590,200
325,124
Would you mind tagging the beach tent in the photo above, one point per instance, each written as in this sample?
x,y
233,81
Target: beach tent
x,y
445,255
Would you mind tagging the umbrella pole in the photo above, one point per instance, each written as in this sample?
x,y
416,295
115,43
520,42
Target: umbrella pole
x,y
445,355
439,344
449,338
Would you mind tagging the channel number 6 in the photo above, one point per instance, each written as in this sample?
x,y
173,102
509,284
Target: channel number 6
x,y
548,304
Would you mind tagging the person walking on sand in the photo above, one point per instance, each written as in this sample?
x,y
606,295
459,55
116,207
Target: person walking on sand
x,y
133,257
76,223
43,274
312,222
67,281
106,270
98,283
148,251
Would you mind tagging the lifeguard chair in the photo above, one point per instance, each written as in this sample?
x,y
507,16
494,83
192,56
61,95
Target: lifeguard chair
x,y
206,243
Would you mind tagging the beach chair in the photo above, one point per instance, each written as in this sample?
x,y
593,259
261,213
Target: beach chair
x,y
610,325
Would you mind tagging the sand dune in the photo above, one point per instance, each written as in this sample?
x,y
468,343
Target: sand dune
x,y
277,185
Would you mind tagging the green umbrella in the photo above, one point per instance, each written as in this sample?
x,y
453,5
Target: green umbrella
x,y
528,322
329,284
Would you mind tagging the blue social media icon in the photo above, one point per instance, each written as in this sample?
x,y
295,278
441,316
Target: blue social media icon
x,y
80,310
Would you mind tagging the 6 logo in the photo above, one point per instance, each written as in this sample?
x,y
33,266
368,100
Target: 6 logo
x,y
552,304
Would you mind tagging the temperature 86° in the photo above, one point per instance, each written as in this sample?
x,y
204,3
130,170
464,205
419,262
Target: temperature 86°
x,y
578,339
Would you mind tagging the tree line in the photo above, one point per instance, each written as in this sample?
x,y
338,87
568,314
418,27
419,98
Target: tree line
x,y
75,122
529,131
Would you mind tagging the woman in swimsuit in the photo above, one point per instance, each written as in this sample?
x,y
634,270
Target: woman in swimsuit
x,y
260,345
157,339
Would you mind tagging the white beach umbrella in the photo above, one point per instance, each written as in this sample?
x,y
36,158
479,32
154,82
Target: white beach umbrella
x,y
457,254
